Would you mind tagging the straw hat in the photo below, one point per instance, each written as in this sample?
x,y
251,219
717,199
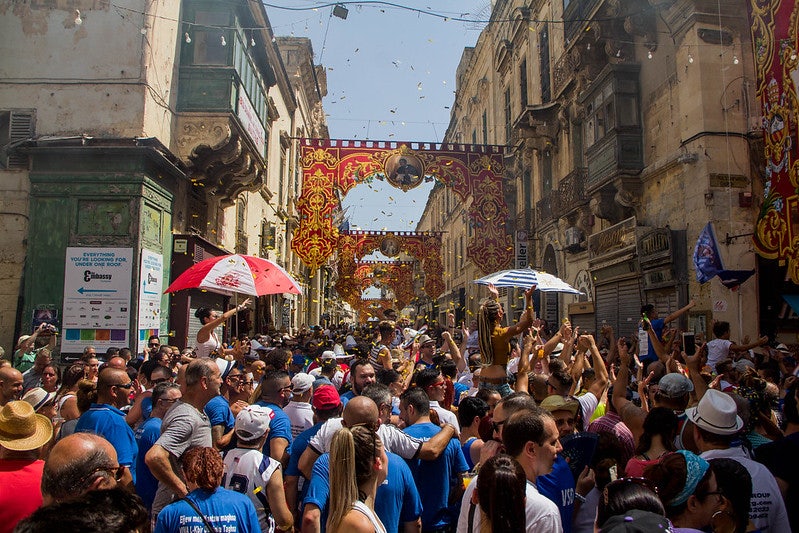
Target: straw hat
x,y
37,397
21,429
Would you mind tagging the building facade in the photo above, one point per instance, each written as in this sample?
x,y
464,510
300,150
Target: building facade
x,y
142,138
629,126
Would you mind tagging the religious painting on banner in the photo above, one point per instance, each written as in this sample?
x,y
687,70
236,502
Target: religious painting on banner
x,y
774,28
333,167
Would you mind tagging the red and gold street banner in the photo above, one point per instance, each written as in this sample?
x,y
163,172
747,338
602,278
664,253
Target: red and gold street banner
x,y
333,166
424,247
775,30
372,308
397,275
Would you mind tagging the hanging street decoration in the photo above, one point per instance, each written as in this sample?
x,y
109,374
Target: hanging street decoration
x,y
774,27
333,167
423,247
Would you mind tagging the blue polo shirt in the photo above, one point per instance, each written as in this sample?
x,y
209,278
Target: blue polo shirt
x,y
109,422
657,327
279,426
397,500
558,486
146,483
434,478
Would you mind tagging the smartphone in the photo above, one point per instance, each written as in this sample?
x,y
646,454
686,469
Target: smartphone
x,y
689,343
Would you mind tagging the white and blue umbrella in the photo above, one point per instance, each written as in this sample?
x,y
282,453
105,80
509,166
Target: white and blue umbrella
x,y
524,278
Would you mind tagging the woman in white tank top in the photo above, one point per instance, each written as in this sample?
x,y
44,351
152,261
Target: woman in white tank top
x,y
207,341
358,465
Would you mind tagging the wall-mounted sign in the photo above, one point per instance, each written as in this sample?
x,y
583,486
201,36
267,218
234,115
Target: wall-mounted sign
x,y
151,280
97,287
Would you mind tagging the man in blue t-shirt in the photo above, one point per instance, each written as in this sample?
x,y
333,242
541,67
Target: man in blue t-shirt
x,y
362,374
104,418
396,502
658,324
163,397
275,394
439,482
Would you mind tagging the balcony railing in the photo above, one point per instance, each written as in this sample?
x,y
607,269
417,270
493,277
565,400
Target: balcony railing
x,y
546,209
571,191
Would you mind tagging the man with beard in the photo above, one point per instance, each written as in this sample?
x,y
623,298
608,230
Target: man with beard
x,y
362,374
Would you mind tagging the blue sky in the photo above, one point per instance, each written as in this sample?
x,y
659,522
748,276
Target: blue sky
x,y
390,76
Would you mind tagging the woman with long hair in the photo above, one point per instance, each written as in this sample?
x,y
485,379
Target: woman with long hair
x,y
660,428
358,465
207,506
501,489
494,339
65,398
207,341
85,396
688,489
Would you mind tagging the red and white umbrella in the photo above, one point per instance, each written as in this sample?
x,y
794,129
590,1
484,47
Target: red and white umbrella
x,y
237,273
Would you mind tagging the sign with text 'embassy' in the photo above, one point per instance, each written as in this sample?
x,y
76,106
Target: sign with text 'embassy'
x,y
97,288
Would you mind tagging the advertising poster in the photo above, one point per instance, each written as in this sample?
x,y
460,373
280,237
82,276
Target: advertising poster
x,y
150,286
97,287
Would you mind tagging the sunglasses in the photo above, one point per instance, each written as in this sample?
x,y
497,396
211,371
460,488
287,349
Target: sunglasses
x,y
168,400
127,385
153,344
159,380
497,425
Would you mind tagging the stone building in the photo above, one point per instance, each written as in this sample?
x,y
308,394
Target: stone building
x,y
629,126
139,138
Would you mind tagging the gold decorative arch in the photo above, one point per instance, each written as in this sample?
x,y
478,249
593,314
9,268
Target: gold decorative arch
x,y
331,167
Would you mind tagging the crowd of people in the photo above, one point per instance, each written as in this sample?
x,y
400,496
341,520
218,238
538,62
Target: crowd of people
x,y
481,427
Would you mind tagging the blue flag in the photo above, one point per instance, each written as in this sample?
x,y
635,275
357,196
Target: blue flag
x,y
707,259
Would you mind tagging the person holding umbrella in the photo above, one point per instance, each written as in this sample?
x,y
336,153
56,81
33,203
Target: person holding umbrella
x,y
494,340
207,340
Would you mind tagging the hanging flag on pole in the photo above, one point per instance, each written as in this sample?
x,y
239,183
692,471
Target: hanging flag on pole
x,y
707,259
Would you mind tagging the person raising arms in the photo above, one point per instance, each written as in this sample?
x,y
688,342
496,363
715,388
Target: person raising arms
x,y
494,339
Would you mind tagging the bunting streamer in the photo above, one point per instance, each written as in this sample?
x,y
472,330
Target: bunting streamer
x,y
774,28
331,168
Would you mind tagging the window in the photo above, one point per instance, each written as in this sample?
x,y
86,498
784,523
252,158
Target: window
x,y
523,82
601,115
577,145
207,41
474,136
281,178
485,127
543,63
527,193
546,172
241,226
507,115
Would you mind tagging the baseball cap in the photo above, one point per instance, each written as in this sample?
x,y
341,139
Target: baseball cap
x,y
301,382
559,403
22,338
253,422
326,397
327,354
674,385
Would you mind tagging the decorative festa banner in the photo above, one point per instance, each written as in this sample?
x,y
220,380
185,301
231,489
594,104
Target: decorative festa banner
x,y
354,245
397,275
774,28
334,166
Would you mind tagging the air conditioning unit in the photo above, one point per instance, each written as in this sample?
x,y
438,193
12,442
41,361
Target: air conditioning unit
x,y
16,125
